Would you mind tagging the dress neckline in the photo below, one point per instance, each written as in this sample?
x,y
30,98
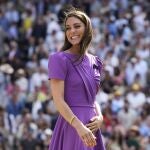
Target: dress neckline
x,y
71,54
74,55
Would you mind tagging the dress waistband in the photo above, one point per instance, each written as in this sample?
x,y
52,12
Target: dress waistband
x,y
92,106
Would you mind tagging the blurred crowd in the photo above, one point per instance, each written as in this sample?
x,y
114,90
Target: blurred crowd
x,y
32,30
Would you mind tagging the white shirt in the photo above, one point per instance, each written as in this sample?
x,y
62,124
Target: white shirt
x,y
35,107
36,80
127,118
136,100
22,83
102,97
130,73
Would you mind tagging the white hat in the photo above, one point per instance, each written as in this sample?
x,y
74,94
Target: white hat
x,y
6,68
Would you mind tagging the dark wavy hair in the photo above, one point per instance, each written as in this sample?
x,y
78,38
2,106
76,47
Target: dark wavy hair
x,y
88,33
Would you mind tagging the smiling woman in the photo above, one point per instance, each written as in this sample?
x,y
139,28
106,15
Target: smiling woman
x,y
77,23
74,30
74,82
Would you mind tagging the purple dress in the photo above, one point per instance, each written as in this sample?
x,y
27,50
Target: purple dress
x,y
81,86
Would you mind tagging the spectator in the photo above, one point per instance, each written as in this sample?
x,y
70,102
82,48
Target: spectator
x,y
136,97
127,116
133,138
15,104
144,128
117,102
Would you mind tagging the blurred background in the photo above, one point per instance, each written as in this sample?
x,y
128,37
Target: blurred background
x,y
31,30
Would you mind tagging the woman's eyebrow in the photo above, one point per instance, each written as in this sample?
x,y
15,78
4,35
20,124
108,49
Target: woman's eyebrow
x,y
73,24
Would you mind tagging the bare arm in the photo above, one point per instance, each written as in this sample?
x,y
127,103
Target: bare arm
x,y
98,110
57,88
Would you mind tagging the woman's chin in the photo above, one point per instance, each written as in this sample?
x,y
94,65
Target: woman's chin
x,y
75,44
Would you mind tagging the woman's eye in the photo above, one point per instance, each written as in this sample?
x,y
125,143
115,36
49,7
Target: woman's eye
x,y
77,26
67,29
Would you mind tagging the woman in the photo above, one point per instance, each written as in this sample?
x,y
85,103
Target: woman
x,y
74,78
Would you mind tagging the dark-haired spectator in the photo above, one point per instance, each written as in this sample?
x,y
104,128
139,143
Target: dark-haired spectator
x,y
15,104
127,116
116,141
4,129
28,141
133,138
3,21
119,76
12,14
39,28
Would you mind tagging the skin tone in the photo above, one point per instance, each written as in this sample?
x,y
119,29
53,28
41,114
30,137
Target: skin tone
x,y
74,32
96,121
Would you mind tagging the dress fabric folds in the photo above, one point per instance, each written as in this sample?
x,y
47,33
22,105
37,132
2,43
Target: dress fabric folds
x,y
82,81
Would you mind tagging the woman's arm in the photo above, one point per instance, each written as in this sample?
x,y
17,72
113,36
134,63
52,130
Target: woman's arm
x,y
98,109
57,89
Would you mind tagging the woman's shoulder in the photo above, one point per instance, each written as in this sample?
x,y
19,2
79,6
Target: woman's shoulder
x,y
97,62
57,66
94,57
90,55
57,55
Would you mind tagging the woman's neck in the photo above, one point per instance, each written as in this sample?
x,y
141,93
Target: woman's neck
x,y
74,50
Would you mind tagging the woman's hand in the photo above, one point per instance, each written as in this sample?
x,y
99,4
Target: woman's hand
x,y
87,136
84,133
95,123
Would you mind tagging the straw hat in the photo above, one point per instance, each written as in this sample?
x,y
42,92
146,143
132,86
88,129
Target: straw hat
x,y
135,87
134,128
118,92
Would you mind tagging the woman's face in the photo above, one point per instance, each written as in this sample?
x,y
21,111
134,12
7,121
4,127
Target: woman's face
x,y
74,30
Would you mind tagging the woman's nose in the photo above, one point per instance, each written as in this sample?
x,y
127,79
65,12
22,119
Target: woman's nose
x,y
72,30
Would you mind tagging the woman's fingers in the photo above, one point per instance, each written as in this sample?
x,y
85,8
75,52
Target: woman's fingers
x,y
94,130
93,138
92,126
87,136
89,140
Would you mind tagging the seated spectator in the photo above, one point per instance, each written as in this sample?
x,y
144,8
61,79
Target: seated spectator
x,y
136,97
148,143
117,102
133,138
15,105
4,129
127,116
144,128
28,142
116,141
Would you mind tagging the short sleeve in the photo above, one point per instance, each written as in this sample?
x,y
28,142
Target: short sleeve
x,y
57,68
